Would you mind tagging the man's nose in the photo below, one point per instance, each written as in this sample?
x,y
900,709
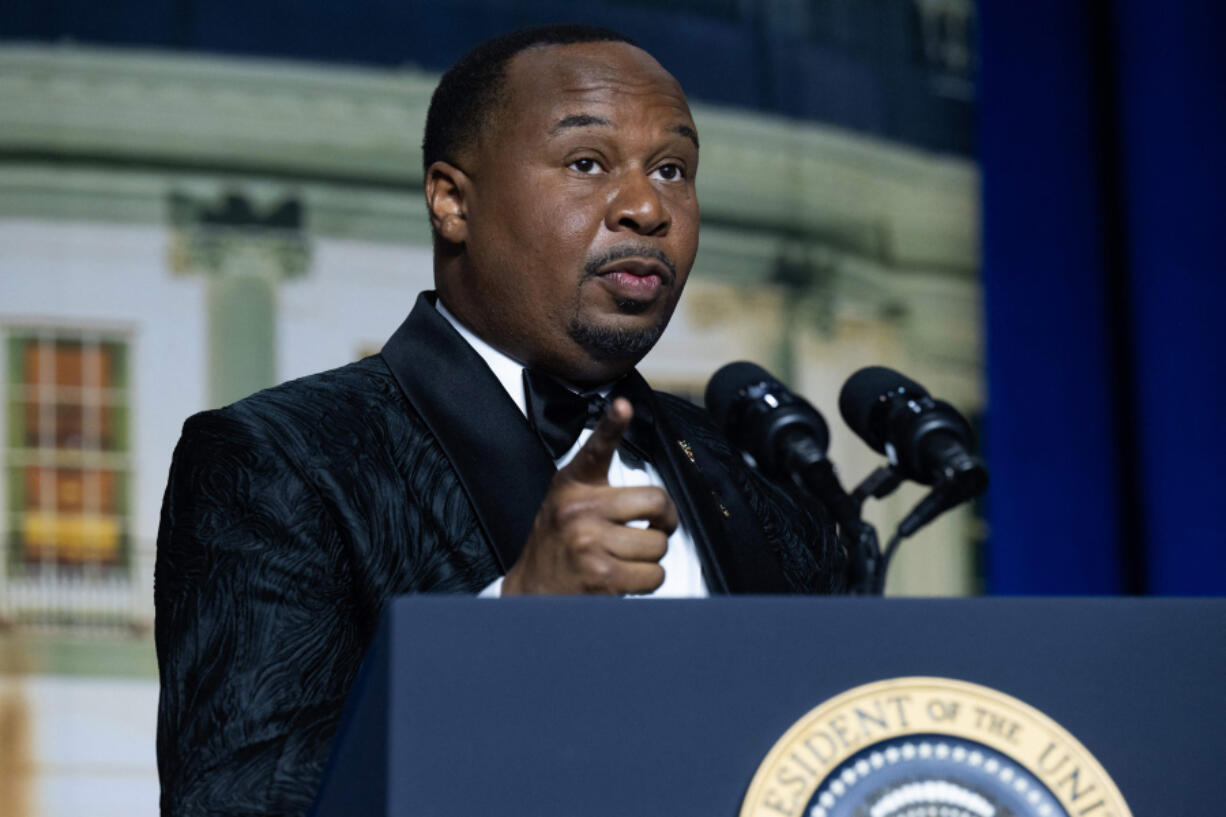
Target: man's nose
x,y
636,206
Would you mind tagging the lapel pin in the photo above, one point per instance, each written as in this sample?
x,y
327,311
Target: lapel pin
x,y
689,452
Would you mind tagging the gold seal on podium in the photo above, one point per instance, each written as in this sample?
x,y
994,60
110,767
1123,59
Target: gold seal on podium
x,y
929,747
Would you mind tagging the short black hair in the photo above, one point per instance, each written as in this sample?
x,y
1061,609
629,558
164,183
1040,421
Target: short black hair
x,y
470,90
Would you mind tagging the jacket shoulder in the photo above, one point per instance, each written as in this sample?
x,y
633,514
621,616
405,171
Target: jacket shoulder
x,y
350,394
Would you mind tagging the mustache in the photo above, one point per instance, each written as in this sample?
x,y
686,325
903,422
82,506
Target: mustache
x,y
594,264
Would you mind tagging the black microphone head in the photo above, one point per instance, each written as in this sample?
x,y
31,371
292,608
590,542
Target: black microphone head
x,y
864,392
728,385
761,417
927,440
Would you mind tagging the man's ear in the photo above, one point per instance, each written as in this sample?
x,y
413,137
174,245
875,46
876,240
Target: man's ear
x,y
446,191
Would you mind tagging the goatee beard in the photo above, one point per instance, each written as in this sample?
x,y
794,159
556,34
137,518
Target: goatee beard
x,y
604,343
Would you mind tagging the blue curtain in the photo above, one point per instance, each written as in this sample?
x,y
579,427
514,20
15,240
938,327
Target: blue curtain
x,y
1102,139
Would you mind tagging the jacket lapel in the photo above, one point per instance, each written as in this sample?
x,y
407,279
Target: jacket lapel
x,y
731,543
500,462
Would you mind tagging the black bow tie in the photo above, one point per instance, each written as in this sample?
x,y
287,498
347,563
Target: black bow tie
x,y
559,415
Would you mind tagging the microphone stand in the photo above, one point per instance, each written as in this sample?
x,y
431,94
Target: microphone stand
x,y
867,564
880,483
938,500
873,564
958,485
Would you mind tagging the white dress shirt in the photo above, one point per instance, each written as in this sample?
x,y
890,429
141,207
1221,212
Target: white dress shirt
x,y
682,568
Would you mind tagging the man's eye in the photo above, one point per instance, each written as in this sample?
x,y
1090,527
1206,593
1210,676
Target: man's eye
x,y
670,172
588,166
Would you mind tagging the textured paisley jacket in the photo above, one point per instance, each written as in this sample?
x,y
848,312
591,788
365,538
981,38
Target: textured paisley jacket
x,y
291,517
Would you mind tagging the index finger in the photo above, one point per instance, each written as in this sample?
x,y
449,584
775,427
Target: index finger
x,y
591,464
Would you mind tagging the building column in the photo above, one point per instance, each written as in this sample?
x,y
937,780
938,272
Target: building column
x,y
244,254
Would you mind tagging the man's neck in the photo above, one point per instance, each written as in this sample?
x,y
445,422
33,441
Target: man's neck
x,y
507,369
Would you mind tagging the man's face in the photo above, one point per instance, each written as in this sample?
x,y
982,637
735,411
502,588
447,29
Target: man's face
x,y
580,209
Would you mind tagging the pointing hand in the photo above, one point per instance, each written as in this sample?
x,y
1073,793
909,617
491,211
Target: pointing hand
x,y
580,542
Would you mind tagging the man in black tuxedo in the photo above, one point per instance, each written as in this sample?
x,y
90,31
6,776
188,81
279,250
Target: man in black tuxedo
x,y
501,443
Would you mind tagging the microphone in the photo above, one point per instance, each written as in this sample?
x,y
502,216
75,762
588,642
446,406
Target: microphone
x,y
788,438
785,435
926,440
761,417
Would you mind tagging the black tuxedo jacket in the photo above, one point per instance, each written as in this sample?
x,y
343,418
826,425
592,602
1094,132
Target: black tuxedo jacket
x,y
292,517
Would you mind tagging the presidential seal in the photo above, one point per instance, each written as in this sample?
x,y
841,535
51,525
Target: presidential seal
x,y
929,747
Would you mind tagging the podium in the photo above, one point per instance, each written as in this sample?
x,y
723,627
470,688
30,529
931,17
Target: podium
x,y
585,706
